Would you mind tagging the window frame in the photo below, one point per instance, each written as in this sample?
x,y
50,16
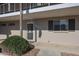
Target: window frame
x,y
36,5
62,21
12,7
11,24
17,6
6,8
66,23
3,25
71,25
50,27
56,23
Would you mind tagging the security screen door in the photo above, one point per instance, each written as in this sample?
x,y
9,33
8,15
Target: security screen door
x,y
30,32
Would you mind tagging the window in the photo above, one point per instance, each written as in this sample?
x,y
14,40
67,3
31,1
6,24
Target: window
x,y
12,7
30,31
0,50
24,6
71,24
54,3
35,5
56,25
30,26
61,25
64,25
2,24
1,9
6,7
11,24
17,6
50,25
44,4
38,4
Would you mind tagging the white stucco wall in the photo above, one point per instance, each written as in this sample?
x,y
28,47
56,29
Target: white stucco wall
x,y
60,37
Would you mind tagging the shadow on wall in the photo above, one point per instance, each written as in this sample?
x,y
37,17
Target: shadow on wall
x,y
40,33
6,30
6,27
40,26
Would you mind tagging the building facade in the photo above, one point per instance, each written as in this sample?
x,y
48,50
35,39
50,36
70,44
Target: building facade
x,y
56,23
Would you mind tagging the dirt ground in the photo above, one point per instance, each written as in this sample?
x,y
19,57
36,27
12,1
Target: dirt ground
x,y
33,52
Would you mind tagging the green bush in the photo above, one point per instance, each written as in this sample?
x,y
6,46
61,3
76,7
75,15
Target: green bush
x,y
17,45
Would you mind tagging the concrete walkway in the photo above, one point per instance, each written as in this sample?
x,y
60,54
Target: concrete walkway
x,y
1,54
48,52
56,50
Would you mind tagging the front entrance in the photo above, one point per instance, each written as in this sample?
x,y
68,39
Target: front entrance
x,y
30,32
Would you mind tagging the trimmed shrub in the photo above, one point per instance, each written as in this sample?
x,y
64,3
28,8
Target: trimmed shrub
x,y
17,45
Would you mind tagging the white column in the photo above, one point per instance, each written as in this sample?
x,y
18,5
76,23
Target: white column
x,y
30,5
8,6
21,19
14,7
